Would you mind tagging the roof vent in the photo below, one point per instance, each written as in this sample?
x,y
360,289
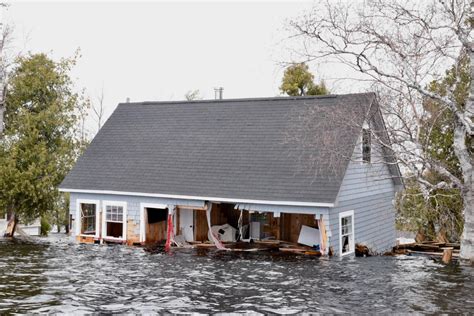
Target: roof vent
x,y
218,92
127,100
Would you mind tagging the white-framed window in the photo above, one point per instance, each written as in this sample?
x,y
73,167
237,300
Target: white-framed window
x,y
114,220
87,217
346,233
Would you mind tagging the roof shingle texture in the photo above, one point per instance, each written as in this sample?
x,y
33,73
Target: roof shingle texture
x,y
235,149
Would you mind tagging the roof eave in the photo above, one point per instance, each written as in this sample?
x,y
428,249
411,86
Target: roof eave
x,y
202,198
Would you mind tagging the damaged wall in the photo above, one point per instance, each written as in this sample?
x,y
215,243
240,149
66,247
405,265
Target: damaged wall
x,y
133,209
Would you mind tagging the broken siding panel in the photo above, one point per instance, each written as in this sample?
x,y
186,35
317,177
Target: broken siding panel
x,y
368,190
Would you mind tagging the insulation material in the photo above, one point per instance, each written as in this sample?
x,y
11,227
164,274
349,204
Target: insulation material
x,y
223,232
324,236
309,236
214,238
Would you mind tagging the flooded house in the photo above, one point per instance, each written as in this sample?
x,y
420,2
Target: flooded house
x,y
314,171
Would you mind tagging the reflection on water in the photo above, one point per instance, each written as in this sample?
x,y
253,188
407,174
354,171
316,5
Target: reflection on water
x,y
57,275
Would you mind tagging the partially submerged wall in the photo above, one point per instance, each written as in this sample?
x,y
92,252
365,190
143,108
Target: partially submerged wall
x,y
291,218
133,209
368,190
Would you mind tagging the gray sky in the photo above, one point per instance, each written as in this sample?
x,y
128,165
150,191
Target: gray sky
x,y
160,50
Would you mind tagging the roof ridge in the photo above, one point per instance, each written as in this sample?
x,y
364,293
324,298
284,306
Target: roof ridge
x,y
282,98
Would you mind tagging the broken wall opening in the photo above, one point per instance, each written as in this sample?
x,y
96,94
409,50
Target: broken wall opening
x,y
291,225
155,224
221,214
285,227
255,225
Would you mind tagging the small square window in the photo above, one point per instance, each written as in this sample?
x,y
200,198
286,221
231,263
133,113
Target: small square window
x,y
114,221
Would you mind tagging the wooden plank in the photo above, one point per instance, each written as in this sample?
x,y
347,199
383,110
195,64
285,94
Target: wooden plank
x,y
271,242
295,250
454,245
291,225
200,225
204,245
177,224
427,247
156,232
313,253
85,239
191,207
447,255
430,253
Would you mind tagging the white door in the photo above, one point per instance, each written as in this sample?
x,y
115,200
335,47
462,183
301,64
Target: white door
x,y
186,221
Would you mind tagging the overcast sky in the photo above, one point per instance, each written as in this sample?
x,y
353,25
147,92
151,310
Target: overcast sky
x,y
161,50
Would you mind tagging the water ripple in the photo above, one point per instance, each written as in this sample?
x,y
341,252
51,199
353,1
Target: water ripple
x,y
56,275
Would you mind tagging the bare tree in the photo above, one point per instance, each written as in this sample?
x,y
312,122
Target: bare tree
x,y
99,109
5,32
399,47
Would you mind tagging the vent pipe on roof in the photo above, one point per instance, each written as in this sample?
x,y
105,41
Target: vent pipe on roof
x,y
127,100
218,93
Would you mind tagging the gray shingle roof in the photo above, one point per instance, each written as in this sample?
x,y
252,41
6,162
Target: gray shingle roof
x,y
235,149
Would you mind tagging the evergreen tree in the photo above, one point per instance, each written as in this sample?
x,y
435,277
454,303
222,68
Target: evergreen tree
x,y
41,139
299,81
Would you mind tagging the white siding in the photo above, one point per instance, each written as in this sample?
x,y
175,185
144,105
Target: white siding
x,y
368,190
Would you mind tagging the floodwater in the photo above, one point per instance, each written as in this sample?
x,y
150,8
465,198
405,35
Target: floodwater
x,y
57,275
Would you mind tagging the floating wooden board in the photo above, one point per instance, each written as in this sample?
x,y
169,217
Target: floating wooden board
x,y
204,245
248,250
312,253
296,250
271,242
429,253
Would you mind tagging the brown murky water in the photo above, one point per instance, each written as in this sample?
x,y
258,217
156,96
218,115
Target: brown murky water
x,y
56,275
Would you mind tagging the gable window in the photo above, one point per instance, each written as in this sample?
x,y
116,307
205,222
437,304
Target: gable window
x,y
114,225
87,218
366,145
346,232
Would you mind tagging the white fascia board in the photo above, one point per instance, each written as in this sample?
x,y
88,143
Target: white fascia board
x,y
204,198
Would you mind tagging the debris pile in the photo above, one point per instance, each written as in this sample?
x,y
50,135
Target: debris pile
x,y
362,251
439,250
245,246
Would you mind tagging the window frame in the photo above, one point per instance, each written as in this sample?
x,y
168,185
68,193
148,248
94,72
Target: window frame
x,y
79,217
366,131
351,245
122,204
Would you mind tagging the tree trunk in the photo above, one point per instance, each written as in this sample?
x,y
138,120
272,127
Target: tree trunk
x,y
467,238
11,226
466,162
